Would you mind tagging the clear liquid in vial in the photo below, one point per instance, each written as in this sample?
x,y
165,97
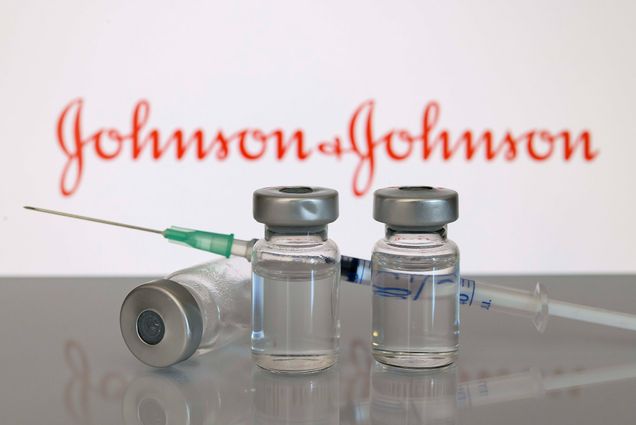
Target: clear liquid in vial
x,y
415,310
295,315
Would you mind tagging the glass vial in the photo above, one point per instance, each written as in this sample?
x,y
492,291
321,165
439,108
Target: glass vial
x,y
295,279
190,312
415,278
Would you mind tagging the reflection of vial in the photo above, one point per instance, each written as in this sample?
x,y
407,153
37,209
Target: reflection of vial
x,y
296,399
415,275
194,310
296,272
424,397
217,391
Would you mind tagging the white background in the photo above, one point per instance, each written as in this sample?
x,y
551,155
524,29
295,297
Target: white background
x,y
299,64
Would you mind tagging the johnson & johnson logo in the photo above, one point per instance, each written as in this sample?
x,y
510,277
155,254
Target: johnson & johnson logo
x,y
362,140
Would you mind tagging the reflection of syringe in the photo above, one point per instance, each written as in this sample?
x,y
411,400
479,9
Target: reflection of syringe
x,y
534,305
397,396
532,384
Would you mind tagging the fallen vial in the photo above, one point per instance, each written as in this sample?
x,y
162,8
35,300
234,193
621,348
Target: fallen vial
x,y
190,312
415,278
296,275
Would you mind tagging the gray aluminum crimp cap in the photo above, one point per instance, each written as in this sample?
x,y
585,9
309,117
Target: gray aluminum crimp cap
x,y
415,207
295,206
161,323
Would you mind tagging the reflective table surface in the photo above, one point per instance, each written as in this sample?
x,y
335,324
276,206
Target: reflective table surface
x,y
62,361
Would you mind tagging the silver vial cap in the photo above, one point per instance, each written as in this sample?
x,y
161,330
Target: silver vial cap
x,y
295,206
415,207
161,323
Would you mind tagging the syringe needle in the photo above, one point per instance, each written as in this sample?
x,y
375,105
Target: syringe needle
x,y
96,220
217,243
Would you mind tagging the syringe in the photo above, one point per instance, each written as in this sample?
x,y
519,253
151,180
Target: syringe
x,y
534,305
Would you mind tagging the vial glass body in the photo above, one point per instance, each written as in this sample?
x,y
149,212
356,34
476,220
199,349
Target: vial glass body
x,y
222,290
295,282
415,311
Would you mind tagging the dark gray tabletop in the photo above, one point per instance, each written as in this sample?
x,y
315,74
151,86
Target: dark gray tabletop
x,y
62,361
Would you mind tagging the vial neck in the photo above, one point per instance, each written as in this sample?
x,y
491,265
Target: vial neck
x,y
415,237
296,235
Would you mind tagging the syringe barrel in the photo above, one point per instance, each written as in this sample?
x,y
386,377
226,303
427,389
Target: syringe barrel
x,y
482,295
533,305
485,296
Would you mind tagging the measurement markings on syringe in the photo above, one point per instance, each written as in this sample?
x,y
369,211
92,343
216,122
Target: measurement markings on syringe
x,y
465,298
467,294
404,293
468,288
